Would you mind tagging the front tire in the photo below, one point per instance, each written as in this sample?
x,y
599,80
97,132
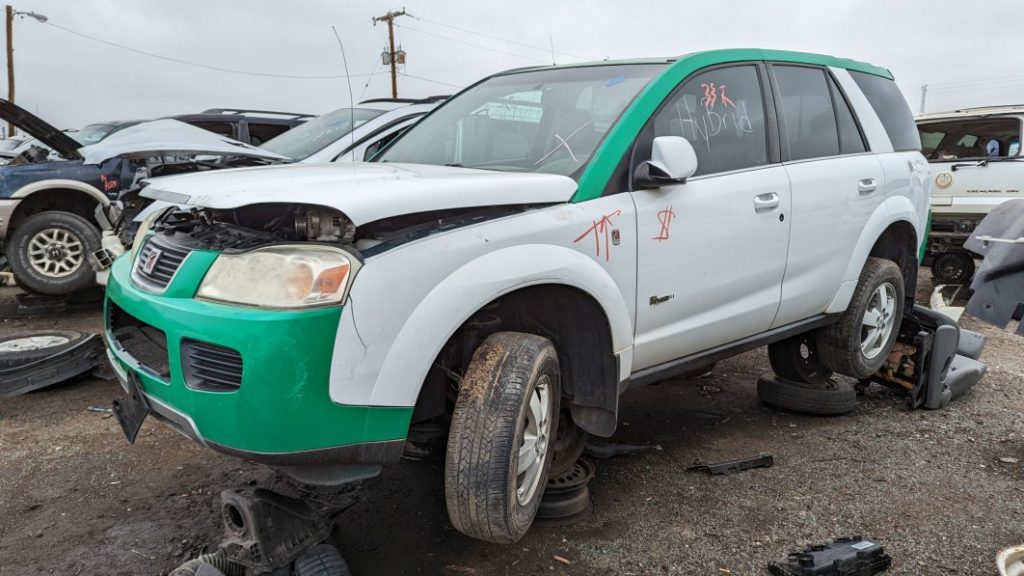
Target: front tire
x,y
499,444
859,343
49,252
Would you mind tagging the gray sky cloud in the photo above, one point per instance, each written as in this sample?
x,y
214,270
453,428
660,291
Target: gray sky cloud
x,y
966,51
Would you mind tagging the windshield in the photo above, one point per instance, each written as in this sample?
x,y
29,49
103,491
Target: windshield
x,y
542,121
92,133
313,136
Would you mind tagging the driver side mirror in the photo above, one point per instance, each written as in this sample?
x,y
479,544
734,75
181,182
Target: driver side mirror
x,y
673,160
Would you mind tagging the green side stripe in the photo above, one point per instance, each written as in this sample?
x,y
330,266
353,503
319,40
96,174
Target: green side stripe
x,y
625,131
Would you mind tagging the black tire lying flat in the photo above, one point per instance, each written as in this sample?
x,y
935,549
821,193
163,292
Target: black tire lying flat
x,y
797,359
828,400
502,392
570,442
73,237
840,345
23,348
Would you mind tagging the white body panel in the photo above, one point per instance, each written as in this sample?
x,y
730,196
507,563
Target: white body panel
x,y
828,217
715,271
364,192
406,302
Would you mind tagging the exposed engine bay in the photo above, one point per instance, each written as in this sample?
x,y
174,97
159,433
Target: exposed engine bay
x,y
250,227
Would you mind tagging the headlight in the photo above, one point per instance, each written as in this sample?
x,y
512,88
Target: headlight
x,y
143,230
280,277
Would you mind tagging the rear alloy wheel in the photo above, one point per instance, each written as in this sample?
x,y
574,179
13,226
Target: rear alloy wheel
x,y
48,252
499,445
859,343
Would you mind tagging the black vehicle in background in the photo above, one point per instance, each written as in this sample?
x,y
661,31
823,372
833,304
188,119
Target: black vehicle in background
x,y
250,126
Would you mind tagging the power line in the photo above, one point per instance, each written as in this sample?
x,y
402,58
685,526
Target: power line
x,y
204,66
460,86
517,43
472,44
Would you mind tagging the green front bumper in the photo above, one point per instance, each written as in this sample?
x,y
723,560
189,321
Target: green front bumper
x,y
282,409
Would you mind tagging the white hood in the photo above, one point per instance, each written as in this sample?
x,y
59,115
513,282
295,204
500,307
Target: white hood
x,y
166,138
364,192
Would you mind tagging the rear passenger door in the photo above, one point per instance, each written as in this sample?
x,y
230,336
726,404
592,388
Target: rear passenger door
x,y
835,182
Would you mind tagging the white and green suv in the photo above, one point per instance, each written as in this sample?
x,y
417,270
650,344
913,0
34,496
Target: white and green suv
x,y
531,249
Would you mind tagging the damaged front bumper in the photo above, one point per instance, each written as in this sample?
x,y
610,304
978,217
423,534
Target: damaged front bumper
x,y
273,404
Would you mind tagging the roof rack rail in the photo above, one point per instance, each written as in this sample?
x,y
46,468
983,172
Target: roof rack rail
x,y
248,111
427,100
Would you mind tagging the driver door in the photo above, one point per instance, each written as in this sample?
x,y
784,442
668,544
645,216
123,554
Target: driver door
x,y
712,251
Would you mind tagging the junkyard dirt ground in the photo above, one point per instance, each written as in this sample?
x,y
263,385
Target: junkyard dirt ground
x,y
76,498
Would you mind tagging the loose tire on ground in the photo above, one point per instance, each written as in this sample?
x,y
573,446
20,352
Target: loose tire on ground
x,y
23,348
828,400
569,443
850,346
45,239
505,385
797,359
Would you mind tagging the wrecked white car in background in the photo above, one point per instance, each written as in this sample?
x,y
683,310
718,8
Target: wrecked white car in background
x,y
48,206
975,154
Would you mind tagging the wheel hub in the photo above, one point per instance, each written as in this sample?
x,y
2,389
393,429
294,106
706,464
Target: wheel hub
x,y
56,252
533,448
32,343
879,320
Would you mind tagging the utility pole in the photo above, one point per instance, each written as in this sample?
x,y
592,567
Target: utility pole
x,y
392,57
10,63
924,96
11,13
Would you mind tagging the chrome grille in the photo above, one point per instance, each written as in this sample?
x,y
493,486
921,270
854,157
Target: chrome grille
x,y
210,367
157,263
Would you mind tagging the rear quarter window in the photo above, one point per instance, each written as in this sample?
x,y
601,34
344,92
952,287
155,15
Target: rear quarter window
x,y
892,110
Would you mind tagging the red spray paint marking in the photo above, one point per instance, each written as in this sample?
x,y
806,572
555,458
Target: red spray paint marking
x,y
726,101
665,219
601,229
710,95
108,183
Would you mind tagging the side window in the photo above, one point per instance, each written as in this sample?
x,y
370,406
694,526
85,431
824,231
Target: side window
x,y
892,110
808,120
851,141
260,133
721,113
222,128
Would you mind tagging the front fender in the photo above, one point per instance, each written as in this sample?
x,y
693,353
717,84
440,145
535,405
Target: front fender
x,y
452,301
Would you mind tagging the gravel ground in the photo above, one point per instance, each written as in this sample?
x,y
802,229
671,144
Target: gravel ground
x,y
75,498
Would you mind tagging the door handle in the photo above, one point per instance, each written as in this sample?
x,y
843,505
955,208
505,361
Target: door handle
x,y
867,186
766,202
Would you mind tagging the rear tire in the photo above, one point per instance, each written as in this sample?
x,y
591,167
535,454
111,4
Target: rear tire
x,y
499,445
829,400
859,343
49,251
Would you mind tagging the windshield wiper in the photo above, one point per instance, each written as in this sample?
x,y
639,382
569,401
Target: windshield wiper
x,y
985,162
455,165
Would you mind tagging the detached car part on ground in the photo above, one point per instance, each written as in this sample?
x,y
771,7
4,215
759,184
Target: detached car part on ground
x,y
976,161
47,207
527,252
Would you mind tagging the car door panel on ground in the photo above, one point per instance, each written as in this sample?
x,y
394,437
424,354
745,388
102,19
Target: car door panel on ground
x,y
712,251
836,186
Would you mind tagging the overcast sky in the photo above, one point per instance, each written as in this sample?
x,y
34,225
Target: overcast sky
x,y
968,52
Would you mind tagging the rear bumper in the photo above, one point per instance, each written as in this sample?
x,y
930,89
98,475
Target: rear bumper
x,y
281,413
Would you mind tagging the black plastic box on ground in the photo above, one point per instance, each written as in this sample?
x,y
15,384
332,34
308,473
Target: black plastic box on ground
x,y
840,557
